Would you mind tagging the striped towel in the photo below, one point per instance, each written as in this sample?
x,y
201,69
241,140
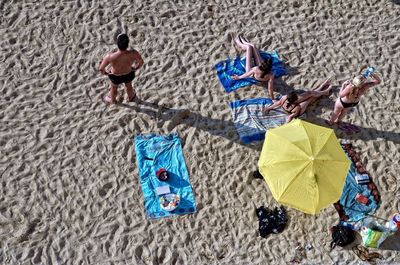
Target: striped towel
x,y
251,121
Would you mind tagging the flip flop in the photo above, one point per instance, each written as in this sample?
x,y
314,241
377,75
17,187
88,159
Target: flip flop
x,y
364,254
361,252
354,128
107,99
344,127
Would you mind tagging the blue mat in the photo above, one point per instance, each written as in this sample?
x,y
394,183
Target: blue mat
x,y
227,68
152,153
251,121
353,210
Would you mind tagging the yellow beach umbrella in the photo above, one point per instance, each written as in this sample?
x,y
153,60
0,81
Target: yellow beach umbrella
x,y
303,165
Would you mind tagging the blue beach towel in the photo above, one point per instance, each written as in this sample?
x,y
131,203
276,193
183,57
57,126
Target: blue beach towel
x,y
228,67
152,153
251,122
353,210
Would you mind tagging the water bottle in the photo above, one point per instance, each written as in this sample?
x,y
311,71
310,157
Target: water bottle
x,y
392,226
346,224
369,71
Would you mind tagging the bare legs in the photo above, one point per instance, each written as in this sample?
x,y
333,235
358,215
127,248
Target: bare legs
x,y
338,113
252,53
311,96
111,97
129,91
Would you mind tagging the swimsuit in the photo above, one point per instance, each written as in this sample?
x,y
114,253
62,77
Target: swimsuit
x,y
119,79
348,104
290,111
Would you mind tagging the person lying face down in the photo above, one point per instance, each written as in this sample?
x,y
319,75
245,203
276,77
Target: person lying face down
x,y
256,67
295,104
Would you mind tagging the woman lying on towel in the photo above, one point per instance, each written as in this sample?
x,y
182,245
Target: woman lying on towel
x,y
256,67
295,104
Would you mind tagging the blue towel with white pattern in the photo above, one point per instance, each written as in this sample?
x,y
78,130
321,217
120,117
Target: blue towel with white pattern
x,y
157,151
237,66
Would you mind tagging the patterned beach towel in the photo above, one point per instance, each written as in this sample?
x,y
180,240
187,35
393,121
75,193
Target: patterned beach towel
x,y
251,122
347,207
152,153
229,67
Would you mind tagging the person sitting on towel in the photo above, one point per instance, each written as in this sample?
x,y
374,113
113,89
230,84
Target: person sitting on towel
x,y
295,104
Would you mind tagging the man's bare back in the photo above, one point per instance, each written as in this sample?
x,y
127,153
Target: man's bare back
x,y
123,64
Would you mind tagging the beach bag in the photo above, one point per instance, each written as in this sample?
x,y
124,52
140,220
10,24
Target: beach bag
x,y
341,236
373,233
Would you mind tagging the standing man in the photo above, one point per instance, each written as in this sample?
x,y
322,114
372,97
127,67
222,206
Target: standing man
x,y
123,63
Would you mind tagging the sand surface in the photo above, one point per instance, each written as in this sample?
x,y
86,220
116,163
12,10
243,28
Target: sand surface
x,y
70,192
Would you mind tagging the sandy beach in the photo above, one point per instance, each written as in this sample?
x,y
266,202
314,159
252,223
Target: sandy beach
x,y
70,190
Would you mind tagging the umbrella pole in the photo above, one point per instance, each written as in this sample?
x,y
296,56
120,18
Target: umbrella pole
x,y
371,215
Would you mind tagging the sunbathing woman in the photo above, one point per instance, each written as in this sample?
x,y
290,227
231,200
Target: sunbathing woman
x,y
256,67
295,104
349,95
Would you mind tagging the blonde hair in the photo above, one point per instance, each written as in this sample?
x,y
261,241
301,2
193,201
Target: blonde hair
x,y
357,83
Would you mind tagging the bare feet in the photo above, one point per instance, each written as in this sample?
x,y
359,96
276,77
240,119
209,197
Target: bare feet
x,y
244,40
132,98
238,42
328,90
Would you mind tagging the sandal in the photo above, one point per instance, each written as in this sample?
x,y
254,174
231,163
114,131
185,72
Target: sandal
x,y
361,252
364,254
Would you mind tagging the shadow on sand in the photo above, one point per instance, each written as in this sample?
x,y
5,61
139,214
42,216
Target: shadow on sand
x,y
175,117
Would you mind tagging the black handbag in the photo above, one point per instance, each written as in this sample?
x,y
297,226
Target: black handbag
x,y
342,236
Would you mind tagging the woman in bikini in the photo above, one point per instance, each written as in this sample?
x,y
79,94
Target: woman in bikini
x,y
295,104
256,67
349,95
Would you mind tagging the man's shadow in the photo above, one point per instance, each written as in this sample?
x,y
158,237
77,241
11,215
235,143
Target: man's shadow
x,y
175,117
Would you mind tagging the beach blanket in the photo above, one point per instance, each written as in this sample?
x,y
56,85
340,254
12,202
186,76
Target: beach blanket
x,y
152,153
348,208
229,67
251,121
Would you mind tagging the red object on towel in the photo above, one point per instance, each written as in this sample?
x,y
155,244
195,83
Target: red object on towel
x,y
361,198
161,170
